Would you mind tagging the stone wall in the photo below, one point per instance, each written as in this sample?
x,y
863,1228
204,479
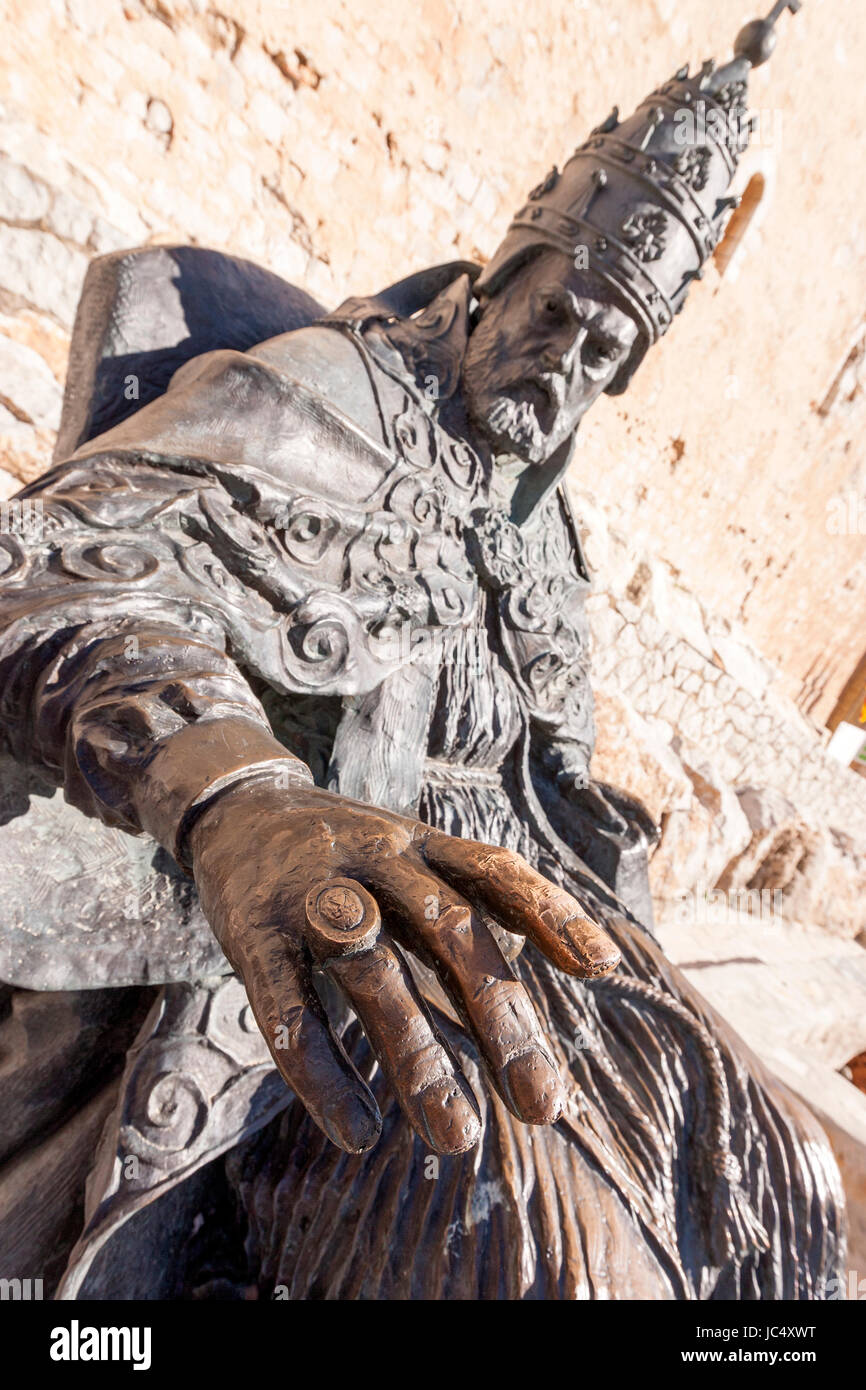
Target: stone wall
x,y
693,720
346,145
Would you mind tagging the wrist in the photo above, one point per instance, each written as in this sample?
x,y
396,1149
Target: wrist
x,y
190,770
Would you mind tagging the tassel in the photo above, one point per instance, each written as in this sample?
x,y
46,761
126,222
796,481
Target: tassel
x,y
734,1230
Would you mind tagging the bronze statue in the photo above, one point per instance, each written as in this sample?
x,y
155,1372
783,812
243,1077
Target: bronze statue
x,y
303,604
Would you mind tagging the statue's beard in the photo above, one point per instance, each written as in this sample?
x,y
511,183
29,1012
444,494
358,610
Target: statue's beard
x,y
511,424
514,424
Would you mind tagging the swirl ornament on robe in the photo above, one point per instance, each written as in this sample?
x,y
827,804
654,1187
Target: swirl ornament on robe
x,y
304,580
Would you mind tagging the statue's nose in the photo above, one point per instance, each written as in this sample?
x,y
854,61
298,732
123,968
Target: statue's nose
x,y
561,355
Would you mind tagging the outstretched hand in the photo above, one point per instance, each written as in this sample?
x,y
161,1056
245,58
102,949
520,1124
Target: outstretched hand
x,y
294,881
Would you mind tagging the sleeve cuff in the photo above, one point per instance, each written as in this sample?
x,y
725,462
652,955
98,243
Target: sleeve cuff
x,y
191,768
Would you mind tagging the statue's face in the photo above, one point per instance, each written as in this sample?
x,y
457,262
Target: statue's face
x,y
543,350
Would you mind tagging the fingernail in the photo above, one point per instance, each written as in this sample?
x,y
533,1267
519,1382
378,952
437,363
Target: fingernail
x,y
352,1123
534,1089
450,1119
599,955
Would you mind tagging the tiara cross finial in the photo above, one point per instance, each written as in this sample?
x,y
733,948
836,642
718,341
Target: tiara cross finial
x,y
781,6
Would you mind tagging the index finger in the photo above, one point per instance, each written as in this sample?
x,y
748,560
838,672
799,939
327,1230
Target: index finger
x,y
525,902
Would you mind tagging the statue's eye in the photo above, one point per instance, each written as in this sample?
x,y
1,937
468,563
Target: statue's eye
x,y
600,352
